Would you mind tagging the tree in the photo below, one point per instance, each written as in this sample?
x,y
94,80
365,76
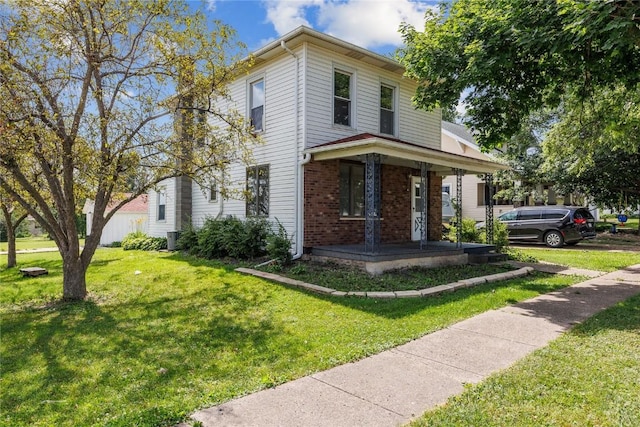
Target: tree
x,y
88,94
516,57
12,216
594,148
524,154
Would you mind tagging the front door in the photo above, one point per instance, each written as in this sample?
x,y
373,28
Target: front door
x,y
416,209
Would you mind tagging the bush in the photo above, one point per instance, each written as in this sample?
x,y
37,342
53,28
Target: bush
x,y
469,231
500,236
219,238
473,234
139,240
279,246
188,241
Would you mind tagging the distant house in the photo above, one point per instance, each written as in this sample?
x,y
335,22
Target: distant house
x,y
457,139
347,159
132,217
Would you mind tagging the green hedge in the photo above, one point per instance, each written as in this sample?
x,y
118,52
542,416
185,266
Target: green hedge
x,y
141,241
232,237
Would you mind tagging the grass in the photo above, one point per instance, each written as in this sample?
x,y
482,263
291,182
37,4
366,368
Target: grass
x,y
582,258
163,334
33,242
587,377
345,278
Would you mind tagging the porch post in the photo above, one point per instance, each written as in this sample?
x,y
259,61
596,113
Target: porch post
x,y
424,198
459,173
372,203
488,179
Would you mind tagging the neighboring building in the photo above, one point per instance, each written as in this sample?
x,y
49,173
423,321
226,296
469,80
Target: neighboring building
x,y
129,218
346,159
457,139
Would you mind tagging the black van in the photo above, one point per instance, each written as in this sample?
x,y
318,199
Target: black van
x,y
553,225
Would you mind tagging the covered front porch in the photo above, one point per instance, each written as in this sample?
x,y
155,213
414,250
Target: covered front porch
x,y
373,199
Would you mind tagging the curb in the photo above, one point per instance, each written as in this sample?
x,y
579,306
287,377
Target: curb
x,y
426,292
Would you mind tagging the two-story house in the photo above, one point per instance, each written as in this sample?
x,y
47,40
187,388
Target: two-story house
x,y
347,159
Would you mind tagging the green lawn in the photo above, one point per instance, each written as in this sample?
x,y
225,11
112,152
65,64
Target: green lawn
x,y
583,258
29,243
163,335
587,377
349,278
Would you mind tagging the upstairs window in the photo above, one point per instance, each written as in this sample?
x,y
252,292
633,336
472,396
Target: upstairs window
x,y
387,110
258,191
256,105
341,98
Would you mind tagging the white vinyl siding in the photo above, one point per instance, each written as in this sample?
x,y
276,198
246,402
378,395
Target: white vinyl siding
x,y
160,228
470,206
278,149
412,125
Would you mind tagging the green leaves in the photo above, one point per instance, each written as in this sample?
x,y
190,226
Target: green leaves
x,y
517,56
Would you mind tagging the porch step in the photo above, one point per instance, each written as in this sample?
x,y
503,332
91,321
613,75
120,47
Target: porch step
x,y
487,257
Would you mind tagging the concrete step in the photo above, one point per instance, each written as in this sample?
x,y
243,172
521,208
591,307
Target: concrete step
x,y
487,257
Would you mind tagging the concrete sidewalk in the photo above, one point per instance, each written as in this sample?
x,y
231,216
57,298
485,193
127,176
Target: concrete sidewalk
x,y
392,387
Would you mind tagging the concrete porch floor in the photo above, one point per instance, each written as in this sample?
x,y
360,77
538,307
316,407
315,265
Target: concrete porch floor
x,y
392,256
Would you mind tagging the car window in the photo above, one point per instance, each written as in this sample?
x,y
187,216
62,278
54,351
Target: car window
x,y
529,215
554,214
509,216
582,214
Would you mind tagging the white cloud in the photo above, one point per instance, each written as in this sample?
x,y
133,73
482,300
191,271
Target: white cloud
x,y
286,15
366,23
211,5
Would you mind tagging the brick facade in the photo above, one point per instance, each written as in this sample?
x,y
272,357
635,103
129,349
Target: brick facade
x,y
324,226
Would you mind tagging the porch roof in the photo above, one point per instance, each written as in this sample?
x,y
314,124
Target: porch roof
x,y
401,153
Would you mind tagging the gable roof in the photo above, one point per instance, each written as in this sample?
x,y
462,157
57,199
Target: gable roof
x,y
304,34
138,205
457,131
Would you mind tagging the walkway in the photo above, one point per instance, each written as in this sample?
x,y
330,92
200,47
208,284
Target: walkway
x,y
395,386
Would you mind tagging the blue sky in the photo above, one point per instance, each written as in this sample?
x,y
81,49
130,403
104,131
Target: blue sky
x,y
371,24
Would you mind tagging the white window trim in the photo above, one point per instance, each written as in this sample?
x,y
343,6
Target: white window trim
x,y
161,190
250,82
396,101
212,193
446,186
352,93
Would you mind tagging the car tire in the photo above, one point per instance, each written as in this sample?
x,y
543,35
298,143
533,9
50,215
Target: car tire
x,y
554,239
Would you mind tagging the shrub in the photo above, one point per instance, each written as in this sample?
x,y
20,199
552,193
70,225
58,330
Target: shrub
x,y
188,240
139,240
279,245
500,236
469,231
219,238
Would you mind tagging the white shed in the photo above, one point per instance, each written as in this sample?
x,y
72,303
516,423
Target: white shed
x,y
132,217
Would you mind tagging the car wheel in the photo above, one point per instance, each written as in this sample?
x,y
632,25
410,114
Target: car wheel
x,y
554,239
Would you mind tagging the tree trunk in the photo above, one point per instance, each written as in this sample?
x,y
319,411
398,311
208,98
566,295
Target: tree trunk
x,y
11,233
74,284
11,243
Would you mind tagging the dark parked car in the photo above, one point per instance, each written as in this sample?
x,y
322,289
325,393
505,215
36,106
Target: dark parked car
x,y
553,225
